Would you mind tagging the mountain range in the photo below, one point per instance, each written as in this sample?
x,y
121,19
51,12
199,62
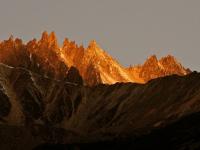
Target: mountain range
x,y
94,65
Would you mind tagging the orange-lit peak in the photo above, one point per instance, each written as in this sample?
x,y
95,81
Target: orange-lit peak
x,y
93,44
169,57
52,36
152,57
44,36
49,39
66,43
11,38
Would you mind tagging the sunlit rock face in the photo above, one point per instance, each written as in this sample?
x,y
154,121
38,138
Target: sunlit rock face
x,y
45,55
96,66
42,57
154,68
93,63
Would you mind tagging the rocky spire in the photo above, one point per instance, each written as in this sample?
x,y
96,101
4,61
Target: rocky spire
x,y
168,59
151,60
49,40
93,45
66,42
52,37
45,36
94,49
53,40
11,38
10,41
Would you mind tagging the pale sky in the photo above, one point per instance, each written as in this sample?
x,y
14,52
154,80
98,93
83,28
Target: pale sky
x,y
129,30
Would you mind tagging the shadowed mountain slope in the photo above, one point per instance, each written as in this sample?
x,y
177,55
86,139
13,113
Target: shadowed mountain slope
x,y
43,110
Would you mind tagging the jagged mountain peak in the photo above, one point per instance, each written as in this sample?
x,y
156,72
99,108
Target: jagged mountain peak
x,y
66,42
152,57
46,57
49,39
93,45
169,56
169,59
45,36
52,37
95,51
70,45
151,60
11,38
154,68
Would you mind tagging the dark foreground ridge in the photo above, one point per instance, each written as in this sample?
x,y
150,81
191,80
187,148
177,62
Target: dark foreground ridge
x,y
163,113
181,135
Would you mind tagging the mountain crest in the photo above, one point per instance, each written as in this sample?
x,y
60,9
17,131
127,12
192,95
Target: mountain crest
x,y
66,42
152,58
45,36
94,49
93,45
94,64
49,39
11,38
169,59
52,37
